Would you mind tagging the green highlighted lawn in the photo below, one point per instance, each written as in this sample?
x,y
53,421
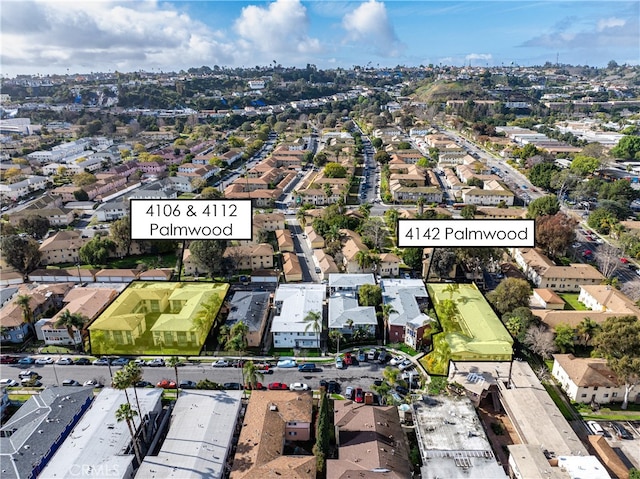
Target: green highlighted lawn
x,y
571,302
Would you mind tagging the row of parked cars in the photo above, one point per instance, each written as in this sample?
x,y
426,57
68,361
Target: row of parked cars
x,y
618,429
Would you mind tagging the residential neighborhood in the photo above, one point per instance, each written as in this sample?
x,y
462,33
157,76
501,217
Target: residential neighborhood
x,y
319,347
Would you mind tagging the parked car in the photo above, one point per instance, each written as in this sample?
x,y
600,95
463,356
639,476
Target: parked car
x,y
258,386
621,431
143,384
6,359
339,363
384,357
395,396
187,384
348,392
221,363
27,374
8,383
347,359
372,354
361,355
166,384
624,260
359,395
406,364
298,387
64,361
287,363
396,360
82,361
402,390
277,386
595,428
264,368
93,382
71,382
101,362
26,360
120,362
45,360
333,387
232,386
309,368
155,363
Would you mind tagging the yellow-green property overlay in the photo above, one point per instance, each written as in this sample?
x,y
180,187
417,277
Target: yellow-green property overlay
x,y
160,318
469,330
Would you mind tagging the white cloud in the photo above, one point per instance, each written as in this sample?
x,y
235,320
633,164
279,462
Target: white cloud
x,y
278,29
54,36
479,56
369,24
610,23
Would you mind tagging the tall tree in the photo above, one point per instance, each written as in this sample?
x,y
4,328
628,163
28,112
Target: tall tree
x,y
23,254
412,257
120,233
238,337
209,255
24,301
619,343
314,323
564,338
387,311
174,362
35,226
335,335
251,374
370,295
71,321
134,374
97,251
587,329
545,205
540,341
510,294
126,413
122,381
555,233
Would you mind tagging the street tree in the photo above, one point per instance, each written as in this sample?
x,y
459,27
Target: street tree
x,y
555,233
174,362
126,413
251,374
545,205
313,321
619,342
120,233
510,294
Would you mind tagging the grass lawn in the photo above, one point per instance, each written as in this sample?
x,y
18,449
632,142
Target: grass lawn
x,y
610,412
404,348
571,300
564,409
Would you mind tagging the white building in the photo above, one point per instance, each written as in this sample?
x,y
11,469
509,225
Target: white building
x,y
99,445
292,304
343,304
588,379
23,188
199,438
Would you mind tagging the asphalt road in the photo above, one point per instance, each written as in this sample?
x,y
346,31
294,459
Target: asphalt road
x,y
356,376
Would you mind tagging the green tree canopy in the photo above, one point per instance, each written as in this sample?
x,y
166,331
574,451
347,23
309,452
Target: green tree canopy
x,y
34,225
541,174
370,295
628,148
97,251
510,294
585,165
335,170
619,342
23,254
412,257
545,205
209,255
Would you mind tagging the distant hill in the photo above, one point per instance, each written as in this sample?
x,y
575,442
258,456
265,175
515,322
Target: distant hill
x,y
441,91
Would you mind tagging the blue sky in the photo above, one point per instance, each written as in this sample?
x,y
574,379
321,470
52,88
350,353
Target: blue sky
x,y
51,36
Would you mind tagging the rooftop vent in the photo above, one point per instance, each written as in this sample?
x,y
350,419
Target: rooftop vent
x,y
273,407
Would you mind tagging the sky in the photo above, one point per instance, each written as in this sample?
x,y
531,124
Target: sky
x,y
50,36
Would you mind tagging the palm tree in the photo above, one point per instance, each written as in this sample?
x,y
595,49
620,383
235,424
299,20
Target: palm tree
x,y
336,335
363,258
121,381
24,301
134,374
224,335
301,217
392,376
125,413
333,234
387,309
174,362
365,209
251,374
71,321
314,322
238,337
587,329
451,288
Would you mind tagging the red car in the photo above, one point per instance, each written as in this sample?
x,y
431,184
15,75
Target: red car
x,y
9,359
166,384
347,359
359,395
264,368
278,386
258,386
624,260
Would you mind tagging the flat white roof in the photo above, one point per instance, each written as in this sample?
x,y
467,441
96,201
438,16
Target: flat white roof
x,y
199,438
293,302
583,467
402,294
97,446
350,280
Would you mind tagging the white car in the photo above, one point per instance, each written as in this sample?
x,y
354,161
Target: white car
x,y
406,364
396,360
8,383
221,363
47,360
298,387
64,361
